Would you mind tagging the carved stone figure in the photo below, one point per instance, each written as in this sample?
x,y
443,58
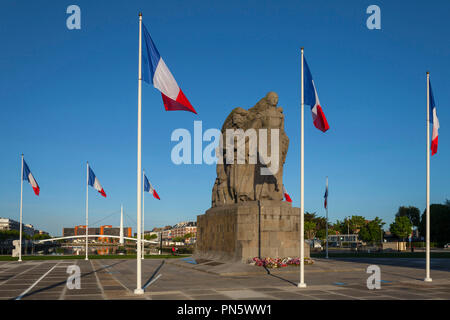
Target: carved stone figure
x,y
236,183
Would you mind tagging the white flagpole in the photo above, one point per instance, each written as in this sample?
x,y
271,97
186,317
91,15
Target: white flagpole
x,y
87,209
327,220
121,225
21,196
428,278
138,289
302,283
143,216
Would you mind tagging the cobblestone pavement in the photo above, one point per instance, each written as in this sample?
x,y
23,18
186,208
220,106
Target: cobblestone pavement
x,y
175,279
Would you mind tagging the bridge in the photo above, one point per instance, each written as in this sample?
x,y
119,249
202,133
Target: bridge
x,y
95,236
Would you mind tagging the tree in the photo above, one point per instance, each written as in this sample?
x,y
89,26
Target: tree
x,y
401,227
188,235
356,223
178,239
38,236
150,236
316,226
412,213
372,231
340,227
322,234
310,227
12,235
439,223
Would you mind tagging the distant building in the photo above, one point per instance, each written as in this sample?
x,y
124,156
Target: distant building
x,y
179,230
184,228
167,234
41,232
10,224
338,240
103,230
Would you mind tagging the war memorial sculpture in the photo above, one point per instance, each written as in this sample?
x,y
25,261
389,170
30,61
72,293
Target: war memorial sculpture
x,y
248,217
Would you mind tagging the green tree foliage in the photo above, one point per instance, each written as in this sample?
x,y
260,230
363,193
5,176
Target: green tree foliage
x,y
12,235
356,223
188,235
178,239
372,231
322,233
310,228
412,213
150,236
340,227
401,227
352,225
315,226
439,223
38,236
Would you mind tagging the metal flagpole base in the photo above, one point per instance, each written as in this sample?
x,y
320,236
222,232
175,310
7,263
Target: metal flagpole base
x,y
301,285
20,260
86,259
428,280
138,291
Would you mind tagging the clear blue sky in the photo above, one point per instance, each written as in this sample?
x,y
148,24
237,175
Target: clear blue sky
x,y
68,96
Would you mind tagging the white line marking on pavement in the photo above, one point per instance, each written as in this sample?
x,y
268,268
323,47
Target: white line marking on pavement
x,y
37,281
98,280
159,275
13,277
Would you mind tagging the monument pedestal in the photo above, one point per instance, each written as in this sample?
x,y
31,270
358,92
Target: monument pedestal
x,y
239,232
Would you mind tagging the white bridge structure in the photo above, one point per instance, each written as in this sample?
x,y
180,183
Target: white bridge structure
x,y
121,237
95,236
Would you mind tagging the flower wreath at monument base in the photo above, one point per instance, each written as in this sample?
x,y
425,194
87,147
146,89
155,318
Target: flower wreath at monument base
x,y
277,262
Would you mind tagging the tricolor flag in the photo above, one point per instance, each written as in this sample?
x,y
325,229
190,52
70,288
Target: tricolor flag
x,y
286,195
155,71
325,204
312,99
434,120
149,188
93,182
27,175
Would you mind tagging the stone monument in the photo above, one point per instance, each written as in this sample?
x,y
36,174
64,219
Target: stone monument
x,y
248,217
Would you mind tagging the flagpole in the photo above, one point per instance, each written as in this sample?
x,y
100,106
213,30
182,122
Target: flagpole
x,y
327,221
302,283
21,197
121,225
143,216
87,209
428,278
138,289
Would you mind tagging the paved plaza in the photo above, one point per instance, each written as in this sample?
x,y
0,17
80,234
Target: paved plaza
x,y
189,279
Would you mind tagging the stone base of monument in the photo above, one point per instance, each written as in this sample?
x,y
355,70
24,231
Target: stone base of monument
x,y
239,232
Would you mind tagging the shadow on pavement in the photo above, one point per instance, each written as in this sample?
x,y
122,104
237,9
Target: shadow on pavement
x,y
278,277
153,275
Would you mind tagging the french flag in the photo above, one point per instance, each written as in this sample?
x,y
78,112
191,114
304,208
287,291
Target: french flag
x,y
434,120
27,175
149,188
155,71
312,99
286,195
93,182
